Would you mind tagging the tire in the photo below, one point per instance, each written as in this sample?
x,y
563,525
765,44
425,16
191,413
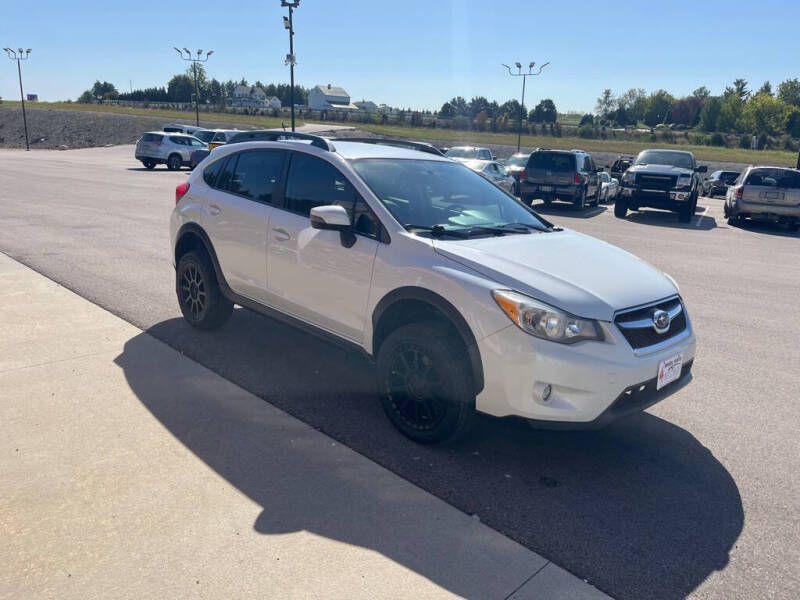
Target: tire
x,y
527,200
685,212
620,208
424,384
149,164
174,162
580,202
735,221
199,296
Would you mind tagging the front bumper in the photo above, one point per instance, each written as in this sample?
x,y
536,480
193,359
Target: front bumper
x,y
588,380
642,196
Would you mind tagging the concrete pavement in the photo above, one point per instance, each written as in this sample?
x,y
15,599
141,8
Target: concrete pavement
x,y
130,471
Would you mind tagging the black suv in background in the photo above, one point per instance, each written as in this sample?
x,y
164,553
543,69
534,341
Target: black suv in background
x,y
620,166
568,175
718,183
515,165
666,179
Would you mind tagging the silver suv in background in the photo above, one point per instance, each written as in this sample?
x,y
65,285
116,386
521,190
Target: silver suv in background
x,y
171,149
464,153
765,193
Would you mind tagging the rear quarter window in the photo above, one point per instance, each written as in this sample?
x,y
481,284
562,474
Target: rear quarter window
x,y
211,172
552,161
151,137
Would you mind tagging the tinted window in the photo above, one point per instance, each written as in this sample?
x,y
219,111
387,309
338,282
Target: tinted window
x,y
552,161
179,140
728,177
484,155
226,174
315,182
151,137
257,173
673,158
205,136
518,160
461,153
211,171
783,178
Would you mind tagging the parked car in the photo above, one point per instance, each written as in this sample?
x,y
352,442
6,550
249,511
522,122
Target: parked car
x,y
609,189
171,149
666,179
619,166
204,135
493,171
765,193
222,137
179,128
465,299
198,156
515,165
567,175
469,153
718,182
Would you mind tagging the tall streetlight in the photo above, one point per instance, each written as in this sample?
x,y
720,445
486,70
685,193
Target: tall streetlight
x,y
188,56
18,55
524,76
290,60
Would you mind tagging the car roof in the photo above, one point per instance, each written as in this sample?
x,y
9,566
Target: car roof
x,y
468,147
666,150
346,150
170,133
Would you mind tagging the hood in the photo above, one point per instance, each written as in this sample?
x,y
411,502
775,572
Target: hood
x,y
660,169
571,271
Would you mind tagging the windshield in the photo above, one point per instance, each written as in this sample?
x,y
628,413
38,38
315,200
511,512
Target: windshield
x,y
665,157
438,193
518,160
462,153
206,136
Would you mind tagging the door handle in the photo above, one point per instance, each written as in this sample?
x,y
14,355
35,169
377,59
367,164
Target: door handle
x,y
214,209
281,234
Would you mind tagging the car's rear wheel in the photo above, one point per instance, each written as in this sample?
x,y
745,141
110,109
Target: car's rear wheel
x,y
580,199
199,295
174,162
620,208
149,164
424,383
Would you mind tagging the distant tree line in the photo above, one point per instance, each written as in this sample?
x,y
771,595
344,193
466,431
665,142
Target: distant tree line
x,y
180,88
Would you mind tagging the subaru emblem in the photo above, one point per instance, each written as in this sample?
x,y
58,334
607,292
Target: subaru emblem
x,y
661,321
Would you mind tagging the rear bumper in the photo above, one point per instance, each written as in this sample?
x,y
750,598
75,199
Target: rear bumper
x,y
155,159
550,191
767,210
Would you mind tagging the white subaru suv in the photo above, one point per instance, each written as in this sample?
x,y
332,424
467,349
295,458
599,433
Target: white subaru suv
x,y
464,298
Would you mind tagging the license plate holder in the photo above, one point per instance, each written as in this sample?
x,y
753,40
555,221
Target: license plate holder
x,y
545,188
669,370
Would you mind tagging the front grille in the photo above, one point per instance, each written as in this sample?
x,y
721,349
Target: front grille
x,y
656,182
637,328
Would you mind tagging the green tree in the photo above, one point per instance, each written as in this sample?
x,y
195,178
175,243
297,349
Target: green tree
x,y
686,111
86,97
104,90
763,114
659,105
460,106
702,92
605,103
766,88
478,105
789,92
730,113
545,112
710,113
634,103
447,111
738,89
793,122
180,88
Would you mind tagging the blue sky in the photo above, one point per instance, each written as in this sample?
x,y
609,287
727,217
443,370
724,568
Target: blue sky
x,y
409,53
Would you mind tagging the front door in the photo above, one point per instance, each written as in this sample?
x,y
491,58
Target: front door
x,y
312,275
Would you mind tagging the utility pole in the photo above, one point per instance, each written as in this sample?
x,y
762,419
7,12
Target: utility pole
x,y
524,76
18,55
290,59
188,56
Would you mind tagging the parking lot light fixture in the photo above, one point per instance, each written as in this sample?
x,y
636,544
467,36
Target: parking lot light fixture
x,y
524,76
19,55
187,55
290,59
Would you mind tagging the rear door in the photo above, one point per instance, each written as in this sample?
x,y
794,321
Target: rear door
x,y
238,205
312,275
149,144
771,186
551,168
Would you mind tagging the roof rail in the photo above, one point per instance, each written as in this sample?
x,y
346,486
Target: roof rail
x,y
421,146
275,135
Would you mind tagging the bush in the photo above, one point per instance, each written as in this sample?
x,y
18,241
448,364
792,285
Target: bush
x,y
763,141
653,137
586,132
717,139
787,143
744,141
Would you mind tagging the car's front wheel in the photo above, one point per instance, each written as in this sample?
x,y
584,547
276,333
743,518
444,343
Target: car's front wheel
x,y
199,295
424,383
174,162
620,208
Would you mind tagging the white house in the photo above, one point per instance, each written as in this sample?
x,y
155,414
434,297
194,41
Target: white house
x,y
247,95
274,102
367,105
330,97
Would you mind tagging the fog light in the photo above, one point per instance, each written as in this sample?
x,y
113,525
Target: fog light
x,y
541,392
546,393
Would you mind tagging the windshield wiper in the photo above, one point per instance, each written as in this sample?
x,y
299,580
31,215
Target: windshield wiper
x,y
437,230
516,227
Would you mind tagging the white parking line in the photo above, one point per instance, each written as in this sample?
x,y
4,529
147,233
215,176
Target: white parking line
x,y
700,217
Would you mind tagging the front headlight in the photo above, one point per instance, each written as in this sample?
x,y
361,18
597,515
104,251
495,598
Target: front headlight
x,y
685,181
627,177
545,321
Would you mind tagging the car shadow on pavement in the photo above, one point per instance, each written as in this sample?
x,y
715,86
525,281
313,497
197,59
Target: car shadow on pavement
x,y
662,218
766,228
158,169
557,208
639,509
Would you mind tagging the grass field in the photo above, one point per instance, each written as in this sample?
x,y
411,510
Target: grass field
x,y
710,153
155,112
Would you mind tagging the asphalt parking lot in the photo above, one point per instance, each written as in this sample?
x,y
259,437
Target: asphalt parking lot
x,y
696,497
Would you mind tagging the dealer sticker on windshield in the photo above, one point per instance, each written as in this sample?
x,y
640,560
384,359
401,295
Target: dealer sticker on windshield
x,y
669,370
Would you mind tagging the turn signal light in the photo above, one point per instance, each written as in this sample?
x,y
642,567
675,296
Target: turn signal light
x,y
739,192
181,190
523,175
577,178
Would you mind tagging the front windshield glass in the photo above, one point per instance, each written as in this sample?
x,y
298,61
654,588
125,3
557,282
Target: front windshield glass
x,y
518,160
427,193
462,153
665,157
206,136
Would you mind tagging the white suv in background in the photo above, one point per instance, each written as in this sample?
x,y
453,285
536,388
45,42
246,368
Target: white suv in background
x,y
171,149
464,298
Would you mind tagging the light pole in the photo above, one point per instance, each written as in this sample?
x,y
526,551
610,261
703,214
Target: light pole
x,y
188,56
290,60
18,55
524,76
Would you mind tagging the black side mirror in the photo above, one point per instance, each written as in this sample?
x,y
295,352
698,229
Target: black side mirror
x,y
701,169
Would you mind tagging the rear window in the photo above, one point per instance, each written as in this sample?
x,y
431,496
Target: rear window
x,y
151,137
552,161
782,178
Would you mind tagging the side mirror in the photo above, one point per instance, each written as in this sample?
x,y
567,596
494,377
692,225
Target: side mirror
x,y
334,218
701,169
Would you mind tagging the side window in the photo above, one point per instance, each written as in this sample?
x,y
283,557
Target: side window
x,y
315,182
587,164
196,143
484,155
226,174
178,140
257,174
211,171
